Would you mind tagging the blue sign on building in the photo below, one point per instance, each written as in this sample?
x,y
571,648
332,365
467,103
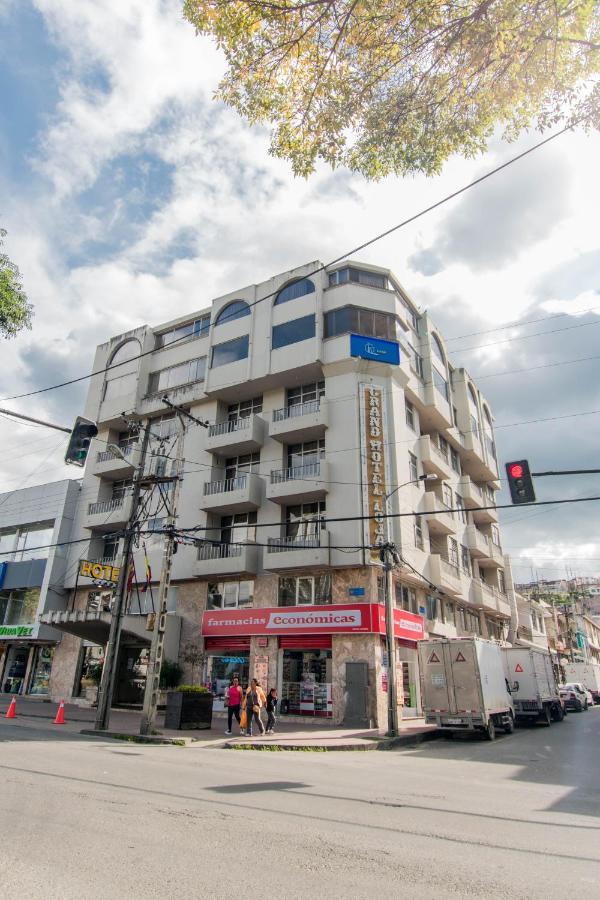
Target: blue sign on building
x,y
356,592
375,348
3,568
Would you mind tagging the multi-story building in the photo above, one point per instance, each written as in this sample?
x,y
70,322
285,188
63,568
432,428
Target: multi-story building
x,y
330,398
34,524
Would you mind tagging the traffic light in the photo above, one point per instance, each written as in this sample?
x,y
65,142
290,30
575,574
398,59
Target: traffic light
x,y
79,442
519,482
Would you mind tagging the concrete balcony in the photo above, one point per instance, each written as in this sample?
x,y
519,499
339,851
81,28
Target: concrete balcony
x,y
483,595
304,422
474,459
439,520
232,495
494,558
478,501
477,542
220,560
107,465
444,575
306,552
433,460
308,482
94,625
106,515
240,436
470,492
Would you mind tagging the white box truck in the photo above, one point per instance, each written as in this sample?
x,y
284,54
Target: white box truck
x,y
586,673
464,687
533,686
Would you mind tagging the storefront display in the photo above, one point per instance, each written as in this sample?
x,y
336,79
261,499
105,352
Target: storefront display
x,y
222,663
42,666
306,683
15,669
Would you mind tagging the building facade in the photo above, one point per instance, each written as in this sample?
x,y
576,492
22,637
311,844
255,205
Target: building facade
x,y
336,421
32,576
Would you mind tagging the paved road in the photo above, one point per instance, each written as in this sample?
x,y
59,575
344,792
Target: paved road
x,y
519,818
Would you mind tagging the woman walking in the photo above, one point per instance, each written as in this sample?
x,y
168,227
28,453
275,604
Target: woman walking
x,y
271,710
255,700
234,702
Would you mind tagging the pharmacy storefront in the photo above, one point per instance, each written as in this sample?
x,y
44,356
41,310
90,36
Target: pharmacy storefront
x,y
304,653
25,659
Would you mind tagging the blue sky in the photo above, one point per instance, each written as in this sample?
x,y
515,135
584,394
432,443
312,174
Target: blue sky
x,y
130,196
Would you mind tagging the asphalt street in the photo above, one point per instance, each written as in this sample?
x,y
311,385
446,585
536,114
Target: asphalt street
x,y
520,818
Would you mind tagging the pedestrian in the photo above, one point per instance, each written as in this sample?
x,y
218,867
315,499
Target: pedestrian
x,y
271,710
255,700
234,703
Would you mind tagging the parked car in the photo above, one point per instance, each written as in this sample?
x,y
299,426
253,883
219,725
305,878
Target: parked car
x,y
578,698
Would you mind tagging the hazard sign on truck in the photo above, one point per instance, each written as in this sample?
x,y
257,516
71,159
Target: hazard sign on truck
x,y
534,690
463,686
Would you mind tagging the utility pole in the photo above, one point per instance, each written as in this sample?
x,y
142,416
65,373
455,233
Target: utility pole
x,y
109,671
158,634
387,553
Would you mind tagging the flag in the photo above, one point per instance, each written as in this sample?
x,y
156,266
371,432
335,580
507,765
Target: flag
x,y
130,577
148,573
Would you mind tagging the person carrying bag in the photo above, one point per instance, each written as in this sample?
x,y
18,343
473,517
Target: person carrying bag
x,y
255,700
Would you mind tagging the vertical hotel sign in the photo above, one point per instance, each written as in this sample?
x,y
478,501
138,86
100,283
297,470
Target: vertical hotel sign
x,y
375,477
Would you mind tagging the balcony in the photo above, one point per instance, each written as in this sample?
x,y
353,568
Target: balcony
x,y
308,482
439,519
304,422
477,542
232,495
297,552
475,460
445,575
490,598
433,460
106,515
240,436
494,558
226,559
476,497
109,465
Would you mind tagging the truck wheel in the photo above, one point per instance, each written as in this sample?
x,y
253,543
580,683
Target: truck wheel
x,y
546,717
510,725
558,712
490,731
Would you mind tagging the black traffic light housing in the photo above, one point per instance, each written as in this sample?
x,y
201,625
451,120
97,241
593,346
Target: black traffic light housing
x,y
79,442
520,482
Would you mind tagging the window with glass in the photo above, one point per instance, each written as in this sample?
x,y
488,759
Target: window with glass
x,y
238,528
33,542
19,607
465,559
230,351
410,414
416,361
176,376
431,607
436,346
127,440
295,290
418,533
305,393
459,505
455,460
360,321
406,598
230,594
413,471
235,466
110,548
8,542
163,427
121,375
501,581
305,519
358,276
305,454
235,310
292,332
440,383
448,612
381,588
455,417
453,552
474,426
443,446
244,409
447,496
121,489
194,329
304,590
495,533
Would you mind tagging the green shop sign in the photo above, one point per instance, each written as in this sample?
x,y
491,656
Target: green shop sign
x,y
16,630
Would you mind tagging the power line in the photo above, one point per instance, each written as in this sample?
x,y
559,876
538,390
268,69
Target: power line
x,y
519,324
525,337
564,362
349,253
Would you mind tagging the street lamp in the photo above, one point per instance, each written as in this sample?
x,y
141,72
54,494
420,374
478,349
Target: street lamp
x,y
390,558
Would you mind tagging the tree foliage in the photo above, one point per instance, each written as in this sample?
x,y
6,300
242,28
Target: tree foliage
x,y
398,86
15,311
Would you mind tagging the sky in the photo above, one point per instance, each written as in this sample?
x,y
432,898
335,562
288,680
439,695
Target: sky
x,y
130,196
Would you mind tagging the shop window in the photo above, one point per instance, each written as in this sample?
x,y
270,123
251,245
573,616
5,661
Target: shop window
x,y
236,310
307,677
410,414
357,320
230,594
89,669
230,351
358,276
15,669
431,607
244,409
40,673
304,590
293,332
220,668
195,329
177,376
295,290
19,607
413,471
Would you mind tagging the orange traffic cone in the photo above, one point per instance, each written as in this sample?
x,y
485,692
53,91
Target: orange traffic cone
x,y
11,712
60,715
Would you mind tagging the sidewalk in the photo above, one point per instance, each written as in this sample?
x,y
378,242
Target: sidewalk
x,y
124,724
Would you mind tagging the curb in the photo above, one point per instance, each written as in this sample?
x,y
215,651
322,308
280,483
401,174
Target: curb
x,y
138,738
408,740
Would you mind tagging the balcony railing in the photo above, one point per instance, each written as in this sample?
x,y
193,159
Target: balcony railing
x,y
293,542
441,453
219,551
229,427
299,409
104,506
108,455
223,487
449,568
296,473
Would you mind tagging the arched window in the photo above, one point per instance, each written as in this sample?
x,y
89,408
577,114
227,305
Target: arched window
x,y
236,310
295,290
473,395
488,417
123,378
437,348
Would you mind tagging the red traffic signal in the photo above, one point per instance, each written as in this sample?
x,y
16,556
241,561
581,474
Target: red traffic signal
x,y
519,482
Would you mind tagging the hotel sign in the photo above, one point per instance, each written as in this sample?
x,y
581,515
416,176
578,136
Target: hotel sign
x,y
375,467
376,349
98,571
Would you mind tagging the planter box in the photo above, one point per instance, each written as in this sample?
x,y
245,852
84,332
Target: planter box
x,y
188,710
